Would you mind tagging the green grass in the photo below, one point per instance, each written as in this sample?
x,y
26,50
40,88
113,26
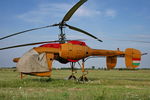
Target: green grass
x,y
103,85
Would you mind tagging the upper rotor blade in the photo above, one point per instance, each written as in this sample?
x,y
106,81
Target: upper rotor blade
x,y
29,44
72,10
28,31
82,31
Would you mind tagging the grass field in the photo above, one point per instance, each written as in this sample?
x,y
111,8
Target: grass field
x,y
103,85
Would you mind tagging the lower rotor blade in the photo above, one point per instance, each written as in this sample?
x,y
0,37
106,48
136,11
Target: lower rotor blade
x,y
29,44
82,31
28,31
135,41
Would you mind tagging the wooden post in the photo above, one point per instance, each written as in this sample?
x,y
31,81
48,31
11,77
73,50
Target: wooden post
x,y
21,75
83,65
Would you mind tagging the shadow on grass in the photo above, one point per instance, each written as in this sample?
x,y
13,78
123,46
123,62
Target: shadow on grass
x,y
41,79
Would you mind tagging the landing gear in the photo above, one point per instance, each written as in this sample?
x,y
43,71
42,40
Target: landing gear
x,y
83,78
72,64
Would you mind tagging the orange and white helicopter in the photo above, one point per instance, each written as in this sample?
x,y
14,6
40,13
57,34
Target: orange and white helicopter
x,y
38,61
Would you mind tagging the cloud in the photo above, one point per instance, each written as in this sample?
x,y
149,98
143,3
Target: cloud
x,y
138,27
87,12
143,36
110,13
44,12
52,11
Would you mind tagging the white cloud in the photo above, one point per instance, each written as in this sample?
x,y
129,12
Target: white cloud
x,y
110,13
138,27
46,12
87,12
143,36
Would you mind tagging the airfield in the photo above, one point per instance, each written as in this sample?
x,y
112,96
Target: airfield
x,y
102,85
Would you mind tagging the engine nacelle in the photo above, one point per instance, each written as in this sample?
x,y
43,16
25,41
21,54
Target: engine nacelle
x,y
111,61
75,52
132,58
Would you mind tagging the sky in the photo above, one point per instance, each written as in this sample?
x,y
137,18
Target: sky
x,y
109,20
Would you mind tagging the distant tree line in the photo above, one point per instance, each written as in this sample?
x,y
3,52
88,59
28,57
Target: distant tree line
x,y
90,68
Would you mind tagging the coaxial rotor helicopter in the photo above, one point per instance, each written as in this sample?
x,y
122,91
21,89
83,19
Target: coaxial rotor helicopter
x,y
38,61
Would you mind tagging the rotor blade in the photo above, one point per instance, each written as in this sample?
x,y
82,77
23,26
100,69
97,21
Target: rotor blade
x,y
82,31
29,44
135,41
28,31
144,54
72,10
36,43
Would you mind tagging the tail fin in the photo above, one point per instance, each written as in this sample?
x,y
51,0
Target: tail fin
x,y
132,58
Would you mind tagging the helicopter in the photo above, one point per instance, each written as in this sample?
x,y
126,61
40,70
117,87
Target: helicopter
x,y
38,60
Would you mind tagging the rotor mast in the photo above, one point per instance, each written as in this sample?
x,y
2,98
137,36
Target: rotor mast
x,y
62,36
